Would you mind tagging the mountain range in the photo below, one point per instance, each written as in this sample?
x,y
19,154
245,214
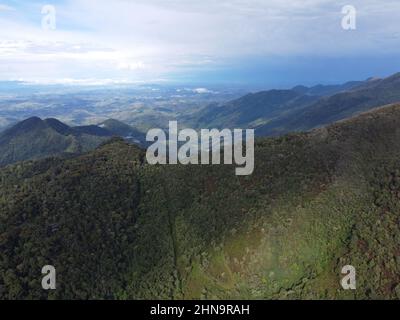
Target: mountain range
x,y
270,113
116,227
301,108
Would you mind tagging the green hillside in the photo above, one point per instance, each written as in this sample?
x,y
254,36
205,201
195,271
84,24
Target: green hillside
x,y
116,227
35,138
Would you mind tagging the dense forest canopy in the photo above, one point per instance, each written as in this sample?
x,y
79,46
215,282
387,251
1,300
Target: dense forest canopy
x,y
116,227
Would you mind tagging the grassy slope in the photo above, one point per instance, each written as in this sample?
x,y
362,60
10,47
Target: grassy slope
x,y
117,228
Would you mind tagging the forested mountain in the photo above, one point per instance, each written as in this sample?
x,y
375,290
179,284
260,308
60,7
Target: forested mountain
x,y
371,94
251,110
277,112
35,138
116,227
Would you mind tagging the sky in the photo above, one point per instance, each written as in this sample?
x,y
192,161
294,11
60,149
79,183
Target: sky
x,y
274,43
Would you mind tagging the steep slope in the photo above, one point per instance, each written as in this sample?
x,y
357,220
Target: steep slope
x,y
277,112
115,227
369,95
88,236
35,138
251,110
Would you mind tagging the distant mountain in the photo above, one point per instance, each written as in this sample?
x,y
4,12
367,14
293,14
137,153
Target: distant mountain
x,y
251,110
116,227
257,109
121,129
368,95
35,138
276,112
327,90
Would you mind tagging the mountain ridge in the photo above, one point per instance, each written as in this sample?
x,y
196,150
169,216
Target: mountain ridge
x,y
35,138
277,112
118,228
340,106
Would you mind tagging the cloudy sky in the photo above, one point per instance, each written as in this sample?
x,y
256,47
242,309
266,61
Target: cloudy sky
x,y
265,42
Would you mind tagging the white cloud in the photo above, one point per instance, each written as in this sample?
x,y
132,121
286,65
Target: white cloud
x,y
201,90
146,39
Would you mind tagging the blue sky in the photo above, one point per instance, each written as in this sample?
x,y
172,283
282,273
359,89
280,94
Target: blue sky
x,y
271,43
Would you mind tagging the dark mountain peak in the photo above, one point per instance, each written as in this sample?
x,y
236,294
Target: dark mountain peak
x,y
58,126
54,121
35,138
26,125
34,118
32,121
